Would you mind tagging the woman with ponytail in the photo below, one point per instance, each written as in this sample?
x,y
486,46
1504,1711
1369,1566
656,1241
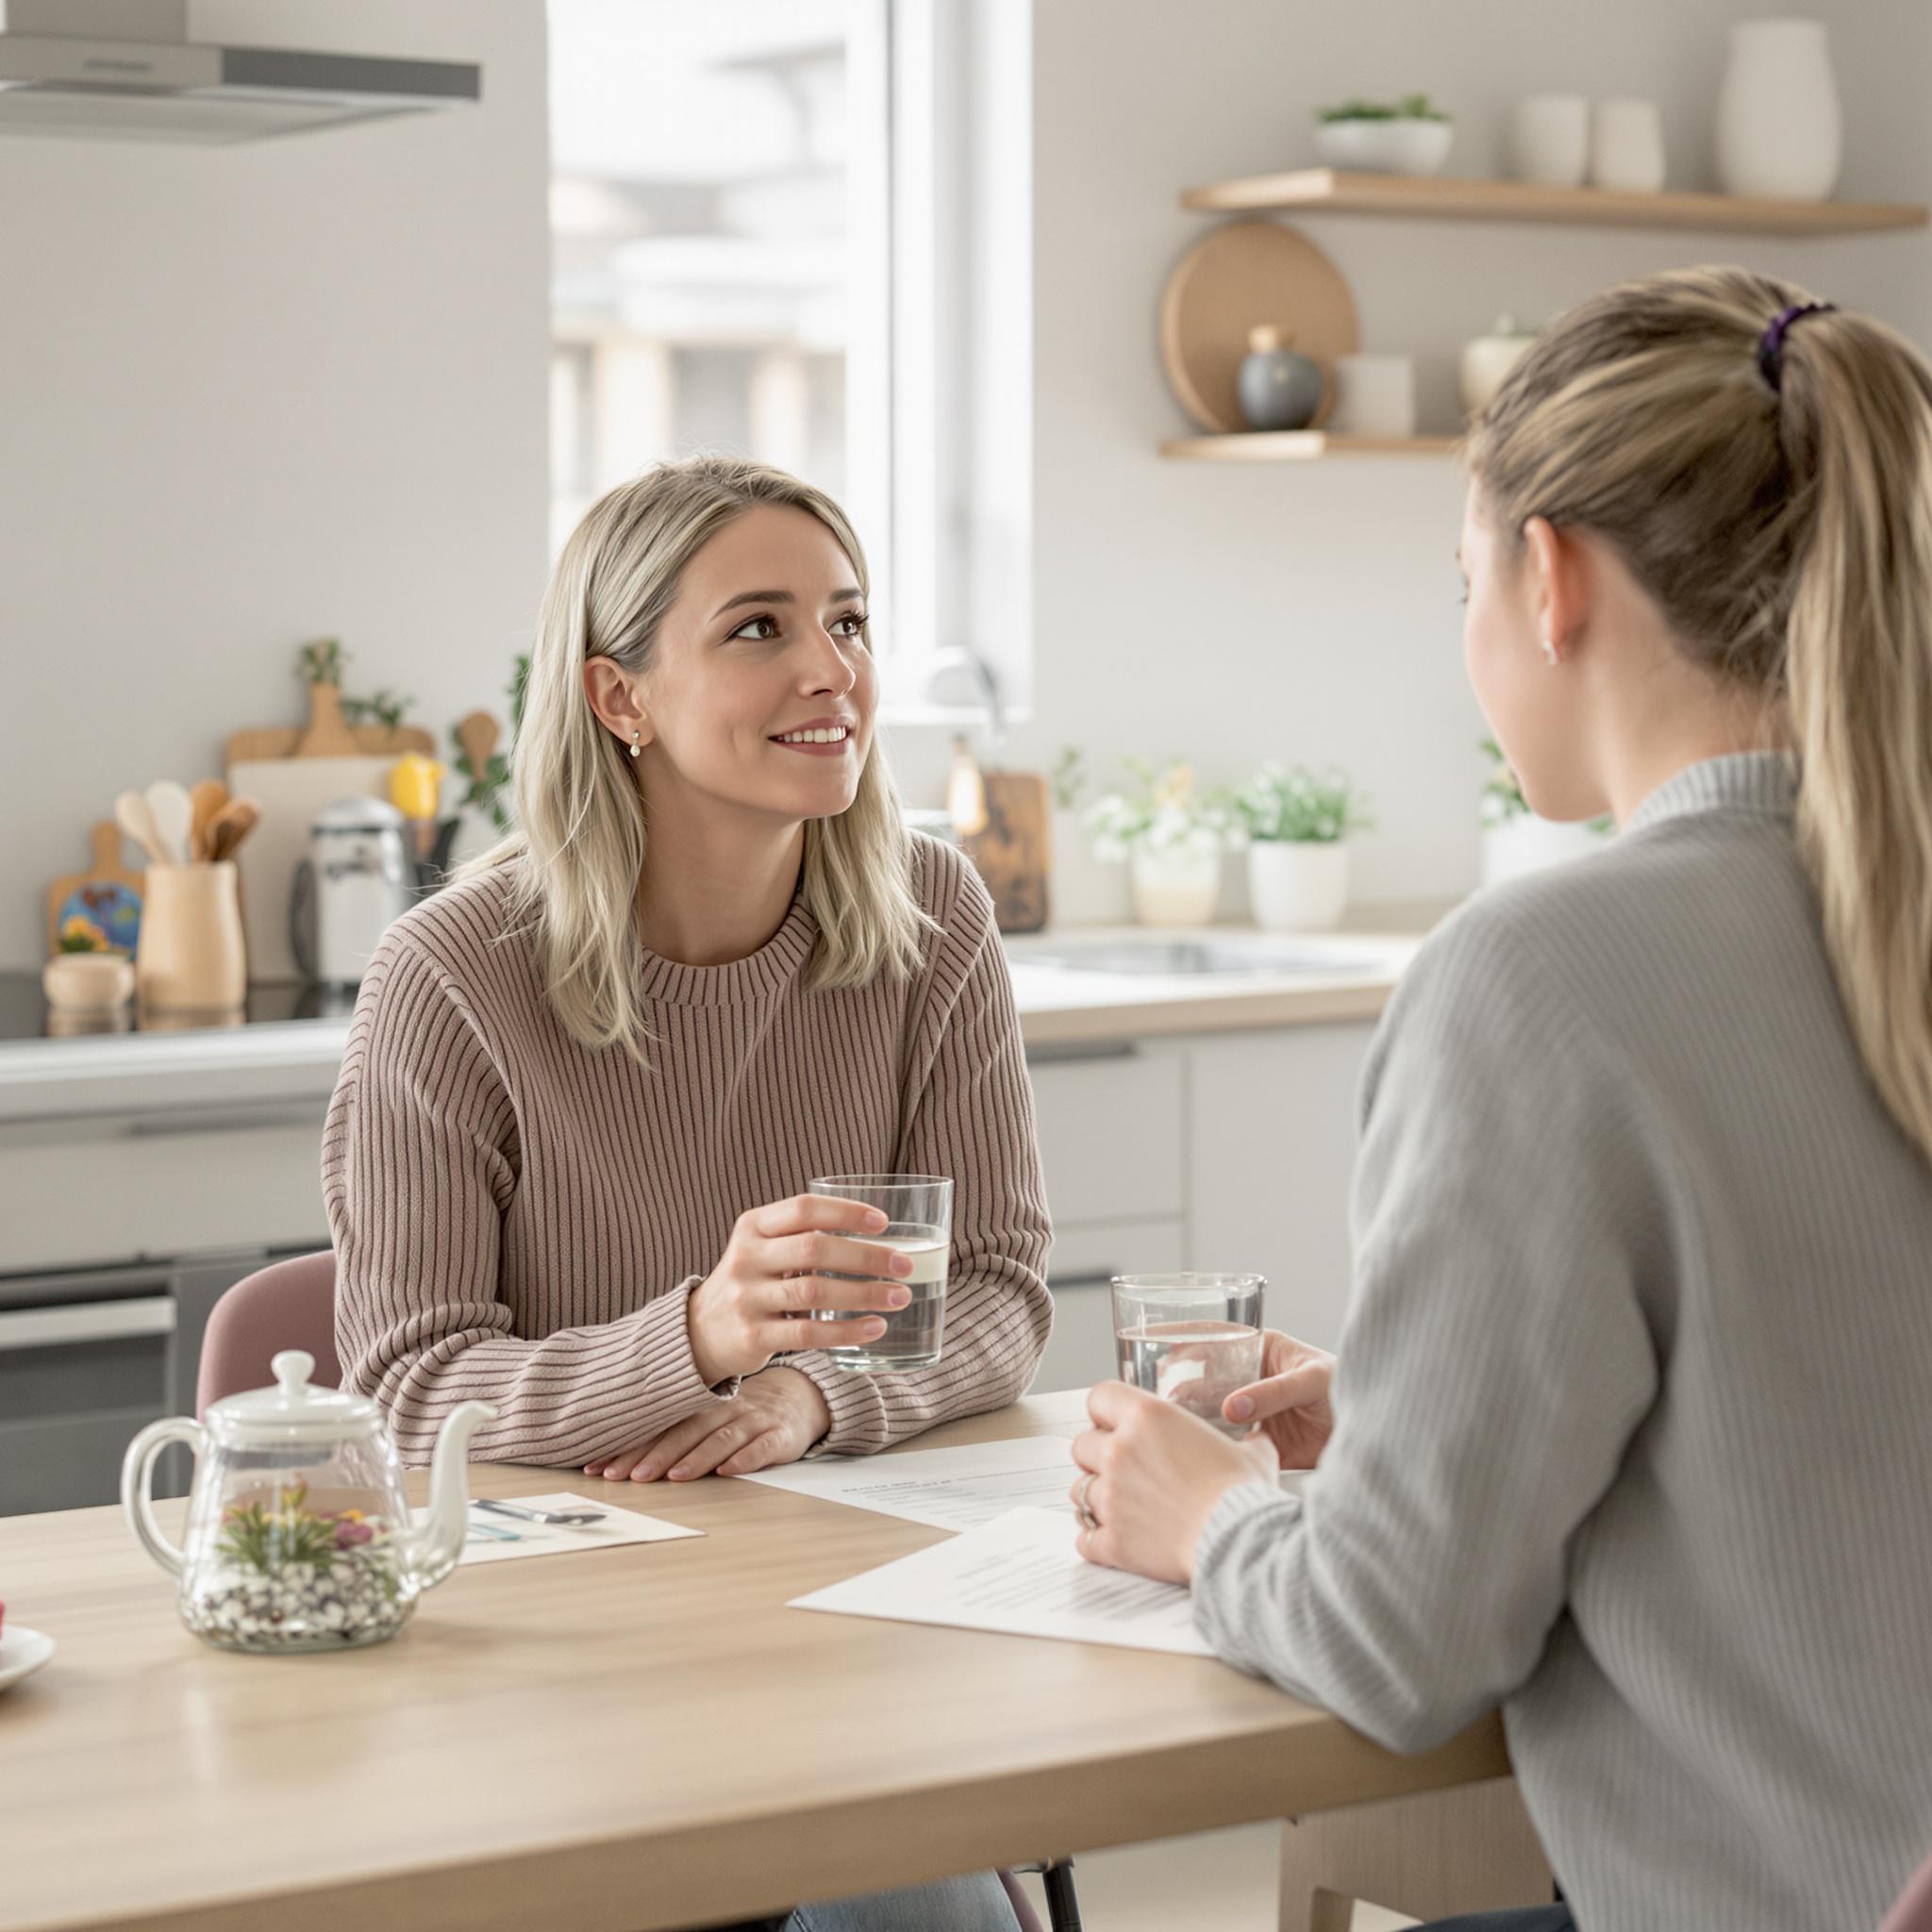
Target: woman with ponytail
x,y
1632,1423
588,1084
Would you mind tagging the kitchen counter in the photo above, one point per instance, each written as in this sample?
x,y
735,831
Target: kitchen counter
x,y
287,1050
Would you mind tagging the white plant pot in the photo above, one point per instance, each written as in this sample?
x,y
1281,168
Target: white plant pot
x,y
1175,885
1084,890
1385,147
1524,845
1779,130
1297,888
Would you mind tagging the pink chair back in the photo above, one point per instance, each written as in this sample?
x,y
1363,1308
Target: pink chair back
x,y
1022,1906
1913,1912
289,1304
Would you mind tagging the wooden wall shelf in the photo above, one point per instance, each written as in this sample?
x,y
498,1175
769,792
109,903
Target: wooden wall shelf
x,y
1331,191
1301,446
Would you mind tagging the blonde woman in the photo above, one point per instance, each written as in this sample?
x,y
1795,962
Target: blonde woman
x,y
587,1085
1631,1431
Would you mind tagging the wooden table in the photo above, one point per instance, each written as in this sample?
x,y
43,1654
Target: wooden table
x,y
617,1741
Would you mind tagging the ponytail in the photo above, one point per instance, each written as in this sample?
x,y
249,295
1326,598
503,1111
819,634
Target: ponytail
x,y
1858,678
1763,464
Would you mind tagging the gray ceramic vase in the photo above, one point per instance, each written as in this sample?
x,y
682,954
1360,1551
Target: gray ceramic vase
x,y
1278,389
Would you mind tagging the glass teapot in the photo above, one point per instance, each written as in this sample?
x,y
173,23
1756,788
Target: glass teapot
x,y
299,1535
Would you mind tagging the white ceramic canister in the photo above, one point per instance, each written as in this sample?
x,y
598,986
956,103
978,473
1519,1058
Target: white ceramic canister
x,y
1375,395
1626,148
1780,134
1487,359
1549,141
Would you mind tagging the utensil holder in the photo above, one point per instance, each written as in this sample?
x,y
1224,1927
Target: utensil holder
x,y
190,957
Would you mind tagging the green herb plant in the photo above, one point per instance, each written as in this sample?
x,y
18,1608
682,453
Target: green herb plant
x,y
485,787
1163,810
1410,107
1294,806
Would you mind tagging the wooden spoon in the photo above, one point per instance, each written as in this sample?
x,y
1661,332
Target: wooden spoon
x,y
132,815
173,813
230,825
208,798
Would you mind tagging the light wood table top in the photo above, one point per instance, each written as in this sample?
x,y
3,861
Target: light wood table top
x,y
627,1740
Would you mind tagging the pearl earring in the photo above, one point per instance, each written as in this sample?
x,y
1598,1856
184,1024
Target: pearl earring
x,y
1549,651
636,749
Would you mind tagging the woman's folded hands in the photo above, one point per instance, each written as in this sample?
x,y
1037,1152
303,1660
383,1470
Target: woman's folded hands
x,y
775,1417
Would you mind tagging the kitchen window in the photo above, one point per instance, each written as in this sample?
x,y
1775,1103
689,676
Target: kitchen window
x,y
800,230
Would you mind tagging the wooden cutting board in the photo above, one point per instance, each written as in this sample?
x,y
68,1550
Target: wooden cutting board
x,y
293,772
1238,275
327,734
291,793
108,894
1014,854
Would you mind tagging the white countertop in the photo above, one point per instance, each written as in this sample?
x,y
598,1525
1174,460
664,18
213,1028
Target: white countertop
x,y
273,1069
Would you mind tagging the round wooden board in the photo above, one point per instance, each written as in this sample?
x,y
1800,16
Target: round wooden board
x,y
1241,274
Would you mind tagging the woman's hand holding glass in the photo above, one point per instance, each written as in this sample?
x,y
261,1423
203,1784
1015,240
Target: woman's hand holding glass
x,y
774,1273
1290,1402
1153,1473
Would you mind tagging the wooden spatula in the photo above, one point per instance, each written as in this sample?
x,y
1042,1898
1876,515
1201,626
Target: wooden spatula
x,y
207,798
230,825
477,734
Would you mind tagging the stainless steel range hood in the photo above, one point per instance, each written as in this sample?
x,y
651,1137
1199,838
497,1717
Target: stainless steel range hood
x,y
126,69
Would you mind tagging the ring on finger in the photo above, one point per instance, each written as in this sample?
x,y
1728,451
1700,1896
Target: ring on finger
x,y
1081,1508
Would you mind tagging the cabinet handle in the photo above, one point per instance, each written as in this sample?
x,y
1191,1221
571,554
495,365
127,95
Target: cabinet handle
x,y
1082,1050
87,1321
222,1121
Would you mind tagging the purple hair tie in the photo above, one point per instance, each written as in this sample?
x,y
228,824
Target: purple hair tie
x,y
1771,344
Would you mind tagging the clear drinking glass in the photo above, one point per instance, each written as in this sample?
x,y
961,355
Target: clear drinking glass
x,y
919,1223
1191,1339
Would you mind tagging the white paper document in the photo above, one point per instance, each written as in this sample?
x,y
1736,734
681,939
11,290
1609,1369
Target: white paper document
x,y
959,1488
494,1539
1021,1574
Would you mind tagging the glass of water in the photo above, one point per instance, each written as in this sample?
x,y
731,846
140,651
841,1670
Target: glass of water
x,y
919,1223
1191,1339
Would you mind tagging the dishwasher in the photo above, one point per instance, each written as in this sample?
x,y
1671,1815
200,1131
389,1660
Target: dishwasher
x,y
89,1357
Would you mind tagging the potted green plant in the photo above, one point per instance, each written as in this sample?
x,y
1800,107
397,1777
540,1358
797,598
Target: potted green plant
x,y
1295,824
1172,835
1404,137
1086,892
1515,840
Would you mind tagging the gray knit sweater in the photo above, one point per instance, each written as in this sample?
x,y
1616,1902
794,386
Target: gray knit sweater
x,y
1633,1421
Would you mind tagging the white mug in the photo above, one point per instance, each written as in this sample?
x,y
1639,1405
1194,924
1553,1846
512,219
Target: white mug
x,y
1375,395
1626,151
1549,141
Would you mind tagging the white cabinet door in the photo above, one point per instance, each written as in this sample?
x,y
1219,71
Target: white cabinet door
x,y
1112,1132
1271,1147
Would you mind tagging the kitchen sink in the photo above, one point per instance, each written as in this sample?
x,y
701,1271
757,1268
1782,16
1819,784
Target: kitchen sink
x,y
1190,959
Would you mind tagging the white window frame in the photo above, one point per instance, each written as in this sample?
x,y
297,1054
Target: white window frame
x,y
940,429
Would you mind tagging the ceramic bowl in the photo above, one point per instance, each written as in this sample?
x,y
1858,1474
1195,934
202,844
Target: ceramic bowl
x,y
87,982
1385,147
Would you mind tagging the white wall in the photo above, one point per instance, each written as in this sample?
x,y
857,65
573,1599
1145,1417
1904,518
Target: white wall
x,y
252,395
255,395
1312,613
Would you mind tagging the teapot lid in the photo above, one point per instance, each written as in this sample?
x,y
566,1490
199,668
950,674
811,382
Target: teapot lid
x,y
294,1410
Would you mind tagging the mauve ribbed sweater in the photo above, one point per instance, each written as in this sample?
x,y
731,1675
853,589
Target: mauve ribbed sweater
x,y
518,1219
